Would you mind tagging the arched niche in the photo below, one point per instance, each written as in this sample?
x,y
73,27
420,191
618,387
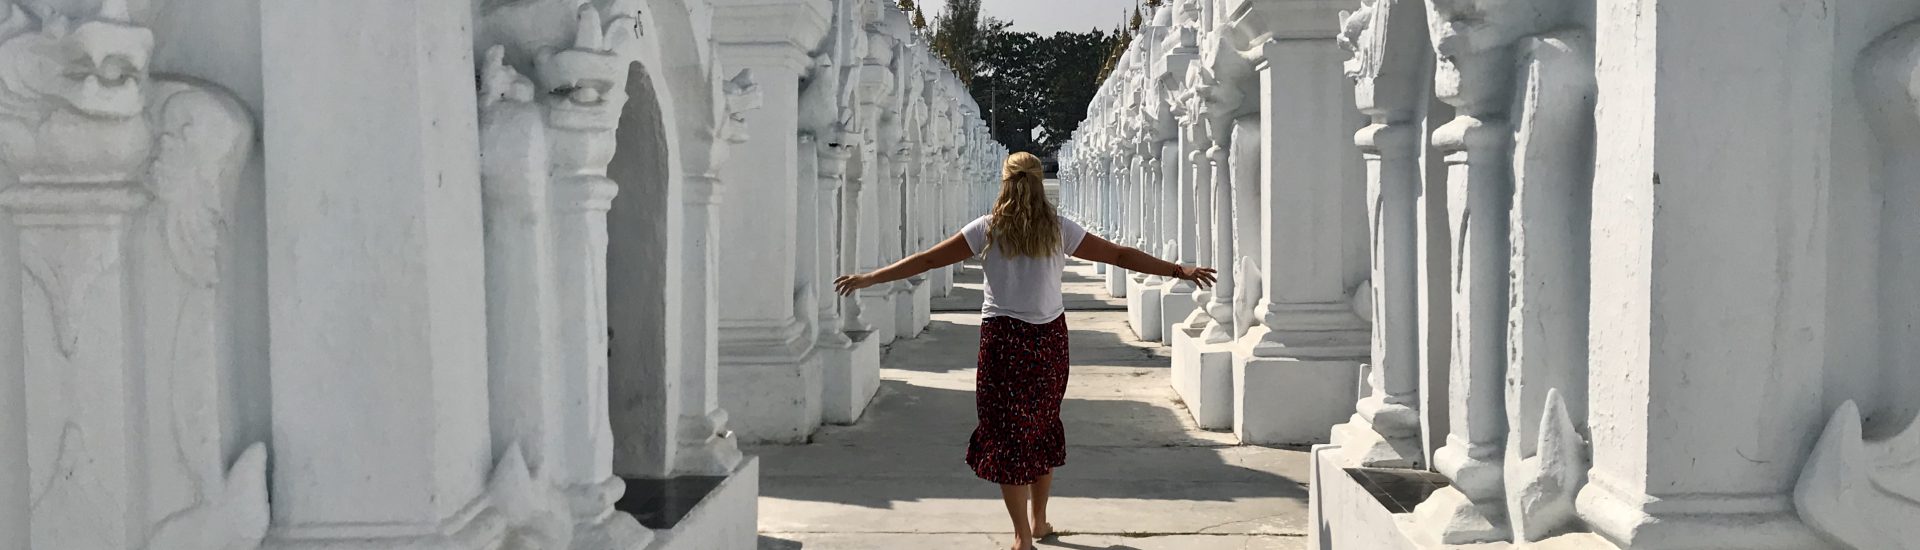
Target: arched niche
x,y
643,305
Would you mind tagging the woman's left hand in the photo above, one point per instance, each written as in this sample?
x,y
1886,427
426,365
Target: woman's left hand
x,y
847,284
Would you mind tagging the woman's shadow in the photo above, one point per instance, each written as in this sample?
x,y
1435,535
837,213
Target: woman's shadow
x,y
1055,542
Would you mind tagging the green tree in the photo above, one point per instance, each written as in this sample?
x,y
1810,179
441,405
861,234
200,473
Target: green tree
x,y
957,34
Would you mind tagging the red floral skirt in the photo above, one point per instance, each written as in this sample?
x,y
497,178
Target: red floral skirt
x,y
1021,378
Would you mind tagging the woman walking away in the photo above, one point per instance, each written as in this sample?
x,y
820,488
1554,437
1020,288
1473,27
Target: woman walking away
x,y
1023,337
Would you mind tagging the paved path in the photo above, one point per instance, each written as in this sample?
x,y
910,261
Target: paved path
x,y
1139,474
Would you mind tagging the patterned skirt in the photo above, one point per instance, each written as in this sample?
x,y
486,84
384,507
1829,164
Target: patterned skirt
x,y
1021,378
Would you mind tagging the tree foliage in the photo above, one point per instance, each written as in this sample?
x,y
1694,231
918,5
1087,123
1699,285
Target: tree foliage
x,y
1032,89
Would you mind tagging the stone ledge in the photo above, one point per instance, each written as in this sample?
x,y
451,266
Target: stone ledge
x,y
698,512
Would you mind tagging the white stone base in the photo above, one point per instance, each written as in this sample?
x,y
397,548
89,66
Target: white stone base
x,y
1117,282
1343,515
942,280
1294,401
1203,376
922,314
852,375
1175,307
903,301
480,525
728,518
878,311
772,403
1143,311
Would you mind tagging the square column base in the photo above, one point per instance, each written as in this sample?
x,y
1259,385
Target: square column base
x,y
1143,311
1203,377
1175,307
1117,282
772,403
852,375
1346,513
699,512
878,311
1296,401
942,280
921,314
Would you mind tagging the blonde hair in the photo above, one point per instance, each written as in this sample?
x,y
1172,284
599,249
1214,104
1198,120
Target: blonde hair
x,y
1023,222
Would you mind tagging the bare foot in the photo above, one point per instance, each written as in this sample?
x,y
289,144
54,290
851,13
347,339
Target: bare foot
x,y
1022,544
1042,530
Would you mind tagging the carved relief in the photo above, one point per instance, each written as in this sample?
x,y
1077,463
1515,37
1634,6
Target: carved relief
x,y
1547,321
546,143
1861,489
110,159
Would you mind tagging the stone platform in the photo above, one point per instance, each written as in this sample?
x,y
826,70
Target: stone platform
x,y
697,512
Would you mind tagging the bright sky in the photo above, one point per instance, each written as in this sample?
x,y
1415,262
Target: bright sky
x,y
1047,16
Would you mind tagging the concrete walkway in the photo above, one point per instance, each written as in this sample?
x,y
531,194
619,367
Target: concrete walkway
x,y
1139,474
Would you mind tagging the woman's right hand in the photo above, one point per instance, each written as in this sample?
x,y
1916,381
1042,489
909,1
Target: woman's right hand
x,y
1199,275
846,285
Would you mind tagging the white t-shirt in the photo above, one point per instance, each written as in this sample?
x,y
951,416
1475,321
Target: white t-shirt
x,y
1024,288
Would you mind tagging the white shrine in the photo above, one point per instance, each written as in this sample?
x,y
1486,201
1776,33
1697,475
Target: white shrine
x,y
1561,273
448,274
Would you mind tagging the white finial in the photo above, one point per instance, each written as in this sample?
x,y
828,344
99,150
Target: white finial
x,y
589,36
115,10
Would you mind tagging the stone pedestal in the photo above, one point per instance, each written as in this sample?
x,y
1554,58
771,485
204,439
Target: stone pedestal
x,y
879,309
699,512
1292,400
1177,303
1203,377
774,400
1143,311
1117,280
920,302
851,375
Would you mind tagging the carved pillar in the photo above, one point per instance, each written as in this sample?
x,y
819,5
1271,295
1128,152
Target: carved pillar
x,y
1170,201
1246,160
1391,61
1546,387
1219,306
1474,75
1203,214
831,179
111,325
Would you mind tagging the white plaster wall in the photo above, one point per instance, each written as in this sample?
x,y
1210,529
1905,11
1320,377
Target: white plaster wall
x,y
756,283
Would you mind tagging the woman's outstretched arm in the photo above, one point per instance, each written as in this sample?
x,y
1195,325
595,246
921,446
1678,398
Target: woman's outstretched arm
x,y
1094,248
948,252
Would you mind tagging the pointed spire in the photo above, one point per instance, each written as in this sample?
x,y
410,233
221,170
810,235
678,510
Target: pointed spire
x,y
589,36
115,10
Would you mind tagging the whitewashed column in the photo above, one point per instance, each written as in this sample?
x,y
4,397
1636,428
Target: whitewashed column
x,y
1706,290
764,328
379,392
1391,59
1475,78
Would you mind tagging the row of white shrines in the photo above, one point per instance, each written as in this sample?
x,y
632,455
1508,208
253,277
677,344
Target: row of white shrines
x,y
1561,273
449,274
